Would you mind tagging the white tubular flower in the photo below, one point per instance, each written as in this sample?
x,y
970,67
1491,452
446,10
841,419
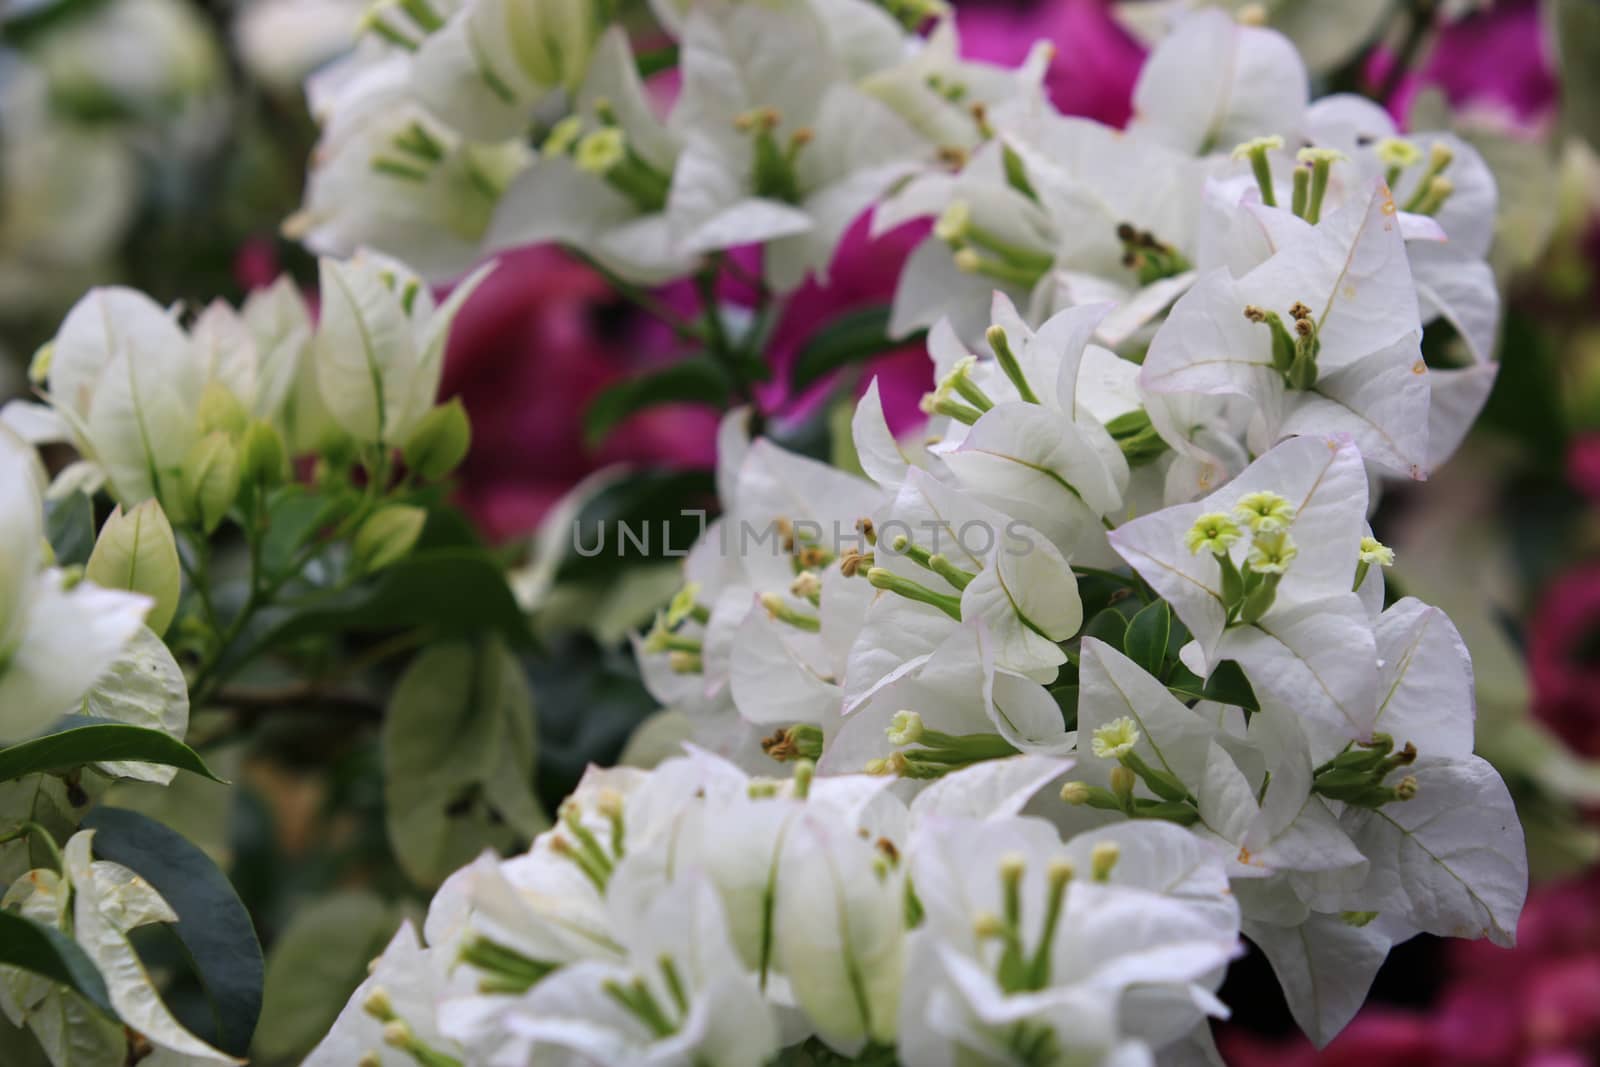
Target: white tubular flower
x,y
379,346
55,639
1116,738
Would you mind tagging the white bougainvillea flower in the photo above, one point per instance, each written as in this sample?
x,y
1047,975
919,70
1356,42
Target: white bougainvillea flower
x,y
1166,735
387,174
1452,278
945,709
1321,338
55,639
1027,946
493,63
777,152
950,100
606,191
280,324
841,941
379,346
1287,831
1007,238
122,377
681,995
1212,83
1325,966
1124,210
398,999
1451,860
981,564
1306,638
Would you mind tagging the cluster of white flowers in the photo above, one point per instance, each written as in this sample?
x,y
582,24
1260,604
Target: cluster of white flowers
x,y
1126,582
1199,350
697,915
792,118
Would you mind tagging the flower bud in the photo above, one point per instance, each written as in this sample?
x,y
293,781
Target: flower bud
x,y
1103,860
39,365
440,441
210,481
263,460
137,551
221,411
386,536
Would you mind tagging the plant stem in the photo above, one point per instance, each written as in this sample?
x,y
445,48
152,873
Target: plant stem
x,y
1419,21
640,297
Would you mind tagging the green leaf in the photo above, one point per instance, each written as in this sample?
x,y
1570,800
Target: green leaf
x,y
1146,639
851,338
697,380
315,964
50,953
650,514
657,60
458,759
1577,37
1227,685
81,740
294,515
69,526
454,592
213,925
1108,625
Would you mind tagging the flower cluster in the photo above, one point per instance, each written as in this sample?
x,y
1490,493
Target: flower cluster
x,y
696,914
1096,676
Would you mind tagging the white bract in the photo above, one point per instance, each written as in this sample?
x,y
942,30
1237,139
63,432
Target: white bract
x,y
695,914
57,635
379,346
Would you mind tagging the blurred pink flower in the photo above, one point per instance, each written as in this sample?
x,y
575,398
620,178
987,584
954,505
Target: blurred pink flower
x,y
1496,59
528,352
1377,1037
1583,465
1564,658
255,264
863,276
1096,60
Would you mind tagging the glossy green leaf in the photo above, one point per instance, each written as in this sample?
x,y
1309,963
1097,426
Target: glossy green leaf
x,y
69,527
1146,639
649,514
698,380
854,337
38,948
82,741
212,923
1108,625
